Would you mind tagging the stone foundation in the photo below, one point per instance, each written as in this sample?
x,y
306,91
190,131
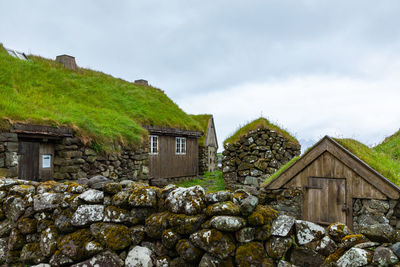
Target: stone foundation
x,y
208,159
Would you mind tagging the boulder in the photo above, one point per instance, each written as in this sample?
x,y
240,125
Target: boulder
x,y
30,253
214,242
379,233
303,256
384,256
48,241
185,224
252,254
137,234
72,246
189,201
112,188
139,257
223,208
3,249
338,230
228,223
219,196
307,232
169,239
283,263
22,190
117,215
26,225
59,259
86,214
16,240
110,235
63,221
92,196
97,182
47,201
14,207
248,205
107,258
396,249
144,196
188,251
262,215
354,257
5,228
282,225
277,247
326,246
245,235
156,223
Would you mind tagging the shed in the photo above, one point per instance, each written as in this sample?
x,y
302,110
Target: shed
x,y
332,179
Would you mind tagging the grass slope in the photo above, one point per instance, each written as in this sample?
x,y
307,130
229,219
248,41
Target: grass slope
x,y
211,182
102,109
258,124
203,120
390,146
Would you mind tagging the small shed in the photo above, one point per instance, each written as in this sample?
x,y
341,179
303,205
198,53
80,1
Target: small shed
x,y
332,180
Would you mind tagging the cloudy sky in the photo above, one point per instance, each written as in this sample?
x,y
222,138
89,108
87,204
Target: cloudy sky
x,y
315,67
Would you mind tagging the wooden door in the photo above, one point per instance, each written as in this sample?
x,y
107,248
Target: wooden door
x,y
326,200
28,163
46,158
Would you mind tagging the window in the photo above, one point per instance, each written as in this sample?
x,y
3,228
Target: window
x,y
153,144
180,146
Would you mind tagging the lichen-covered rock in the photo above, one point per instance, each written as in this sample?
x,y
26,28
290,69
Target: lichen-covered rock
x,y
106,258
112,236
379,233
354,257
223,208
156,224
121,198
179,262
262,215
185,224
63,221
16,240
73,245
162,261
383,257
47,201
143,196
303,256
30,253
396,249
351,240
307,232
326,246
117,215
278,246
93,248
220,196
210,261
98,181
246,234
214,242
282,225
188,251
139,257
92,196
22,190
5,228
48,241
26,225
283,263
252,254
228,223
338,230
87,214
169,238
14,207
248,205
189,201
263,232
59,259
112,188
3,249
137,234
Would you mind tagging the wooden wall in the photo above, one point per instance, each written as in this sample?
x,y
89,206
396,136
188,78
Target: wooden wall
x,y
166,164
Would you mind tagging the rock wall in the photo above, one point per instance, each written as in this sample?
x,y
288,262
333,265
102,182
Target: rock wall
x,y
285,201
208,159
8,154
105,223
255,157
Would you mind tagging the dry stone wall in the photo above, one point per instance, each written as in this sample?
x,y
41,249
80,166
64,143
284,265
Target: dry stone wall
x,y
260,153
105,223
208,159
8,154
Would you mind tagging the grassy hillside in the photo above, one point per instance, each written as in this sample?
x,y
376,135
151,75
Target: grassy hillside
x,y
390,146
100,107
257,124
203,120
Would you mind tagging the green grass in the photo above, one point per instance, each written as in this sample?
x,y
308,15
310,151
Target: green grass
x,y
390,146
203,120
380,161
259,124
211,182
281,169
102,109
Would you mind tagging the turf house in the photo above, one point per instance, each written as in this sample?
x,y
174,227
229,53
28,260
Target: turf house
x,y
339,180
59,121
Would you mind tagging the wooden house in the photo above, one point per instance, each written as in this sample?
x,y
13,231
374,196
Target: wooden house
x,y
332,179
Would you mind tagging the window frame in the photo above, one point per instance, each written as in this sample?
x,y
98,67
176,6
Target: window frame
x,y
180,146
152,151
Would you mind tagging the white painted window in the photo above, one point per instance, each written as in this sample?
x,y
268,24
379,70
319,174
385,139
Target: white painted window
x,y
180,146
153,144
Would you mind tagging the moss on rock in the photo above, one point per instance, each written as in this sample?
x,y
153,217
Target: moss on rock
x,y
252,254
262,215
110,235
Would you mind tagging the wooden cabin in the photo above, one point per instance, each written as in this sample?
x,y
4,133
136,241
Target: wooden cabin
x,y
331,179
173,153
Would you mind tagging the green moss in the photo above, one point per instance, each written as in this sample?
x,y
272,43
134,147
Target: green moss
x,y
262,215
260,123
113,236
102,109
251,254
185,224
390,146
211,182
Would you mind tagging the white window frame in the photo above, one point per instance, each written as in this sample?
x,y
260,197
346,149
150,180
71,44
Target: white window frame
x,y
154,148
180,146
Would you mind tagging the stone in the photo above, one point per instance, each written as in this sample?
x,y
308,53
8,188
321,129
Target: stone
x,y
156,223
5,228
121,198
139,257
283,263
277,247
48,241
304,256
22,190
47,201
378,205
30,253
245,235
366,245
93,248
63,221
185,224
223,208
112,188
92,196
209,261
351,240
3,249
326,246
307,232
117,215
16,240
169,238
248,205
228,223
112,236
14,207
379,233
396,249
106,258
188,251
262,215
26,225
144,196
58,259
252,254
189,201
137,234
282,225
354,257
87,214
214,242
249,180
72,246
97,182
220,196
384,256
338,230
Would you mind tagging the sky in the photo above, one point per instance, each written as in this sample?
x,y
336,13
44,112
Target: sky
x,y
314,67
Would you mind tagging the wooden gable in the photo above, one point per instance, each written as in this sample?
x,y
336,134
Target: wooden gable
x,y
211,135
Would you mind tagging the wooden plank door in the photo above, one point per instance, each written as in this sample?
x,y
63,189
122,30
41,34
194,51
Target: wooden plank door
x,y
326,200
28,163
46,158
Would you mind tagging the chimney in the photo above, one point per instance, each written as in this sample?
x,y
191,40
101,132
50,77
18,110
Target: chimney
x,y
67,61
142,82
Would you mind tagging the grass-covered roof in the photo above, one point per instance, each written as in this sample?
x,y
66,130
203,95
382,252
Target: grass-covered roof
x,y
260,123
101,108
390,146
203,120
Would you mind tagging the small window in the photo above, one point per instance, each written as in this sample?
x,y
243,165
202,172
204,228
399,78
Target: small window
x,y
153,144
180,146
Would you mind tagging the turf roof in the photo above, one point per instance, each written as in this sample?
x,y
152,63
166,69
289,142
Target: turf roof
x,y
102,109
260,123
203,120
390,146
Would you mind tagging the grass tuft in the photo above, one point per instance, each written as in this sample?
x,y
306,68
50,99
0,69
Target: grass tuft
x,y
211,182
281,169
390,146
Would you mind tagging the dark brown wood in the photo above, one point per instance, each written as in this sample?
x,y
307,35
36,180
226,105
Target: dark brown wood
x,y
28,160
46,173
31,129
172,131
167,164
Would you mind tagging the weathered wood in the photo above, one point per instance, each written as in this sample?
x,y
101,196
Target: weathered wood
x,y
41,130
28,164
172,131
46,173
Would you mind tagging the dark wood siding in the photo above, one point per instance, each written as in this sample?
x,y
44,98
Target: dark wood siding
x,y
46,149
166,164
28,165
